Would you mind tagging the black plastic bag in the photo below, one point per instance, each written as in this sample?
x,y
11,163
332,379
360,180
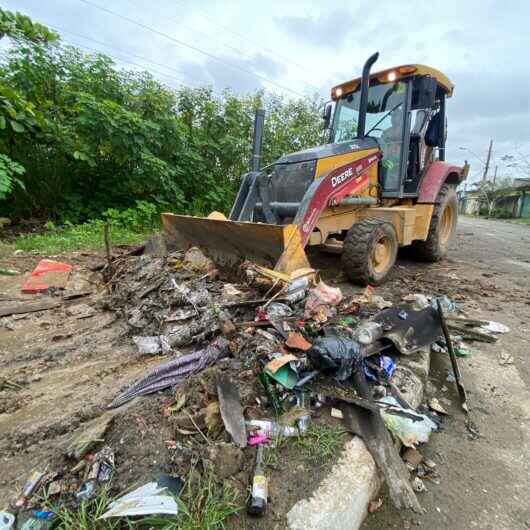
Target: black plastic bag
x,y
336,356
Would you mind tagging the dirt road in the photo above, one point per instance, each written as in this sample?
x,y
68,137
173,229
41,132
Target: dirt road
x,y
495,245
484,483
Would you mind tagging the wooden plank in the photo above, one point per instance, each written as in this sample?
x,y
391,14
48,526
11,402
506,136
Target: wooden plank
x,y
371,428
32,307
231,410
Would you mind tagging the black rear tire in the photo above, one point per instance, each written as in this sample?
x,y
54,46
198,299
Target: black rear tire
x,y
442,229
364,259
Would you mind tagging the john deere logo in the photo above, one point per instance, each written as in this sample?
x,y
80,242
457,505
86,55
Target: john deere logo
x,y
338,179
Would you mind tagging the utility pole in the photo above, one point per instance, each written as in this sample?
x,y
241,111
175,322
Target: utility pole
x,y
487,166
495,175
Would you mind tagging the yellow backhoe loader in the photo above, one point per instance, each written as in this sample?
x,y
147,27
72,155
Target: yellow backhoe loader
x,y
381,183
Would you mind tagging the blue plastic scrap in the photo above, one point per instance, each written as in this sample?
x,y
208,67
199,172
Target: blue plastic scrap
x,y
386,368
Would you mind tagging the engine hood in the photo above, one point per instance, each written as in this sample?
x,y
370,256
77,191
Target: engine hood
x,y
324,151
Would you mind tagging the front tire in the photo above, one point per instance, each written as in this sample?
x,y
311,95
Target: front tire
x,y
442,228
369,251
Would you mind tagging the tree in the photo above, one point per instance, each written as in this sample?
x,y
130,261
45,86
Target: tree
x,y
519,161
491,192
16,25
92,137
17,114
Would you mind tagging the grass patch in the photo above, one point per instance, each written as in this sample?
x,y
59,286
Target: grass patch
x,y
521,221
84,516
85,236
271,455
203,505
321,441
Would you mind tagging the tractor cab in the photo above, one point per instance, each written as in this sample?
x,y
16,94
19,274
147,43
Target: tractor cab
x,y
405,114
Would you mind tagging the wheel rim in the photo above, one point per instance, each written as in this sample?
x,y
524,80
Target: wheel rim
x,y
382,254
446,225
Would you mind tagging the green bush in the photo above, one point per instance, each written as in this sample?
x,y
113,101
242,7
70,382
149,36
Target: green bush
x,y
99,142
502,213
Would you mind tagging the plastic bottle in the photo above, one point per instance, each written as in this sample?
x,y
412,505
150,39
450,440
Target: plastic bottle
x,y
271,428
297,289
258,498
303,422
29,488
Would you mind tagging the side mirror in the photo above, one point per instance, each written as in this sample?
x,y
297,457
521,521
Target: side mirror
x,y
326,115
424,93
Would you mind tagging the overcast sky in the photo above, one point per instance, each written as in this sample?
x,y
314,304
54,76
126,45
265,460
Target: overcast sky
x,y
303,47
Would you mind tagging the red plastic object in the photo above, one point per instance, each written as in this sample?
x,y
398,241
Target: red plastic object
x,y
47,274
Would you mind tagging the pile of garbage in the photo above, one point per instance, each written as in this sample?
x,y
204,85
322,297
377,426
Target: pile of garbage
x,y
270,350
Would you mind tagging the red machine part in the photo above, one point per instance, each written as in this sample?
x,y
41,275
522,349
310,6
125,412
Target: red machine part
x,y
435,177
349,179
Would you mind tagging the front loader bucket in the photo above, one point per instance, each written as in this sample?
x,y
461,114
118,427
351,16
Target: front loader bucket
x,y
227,242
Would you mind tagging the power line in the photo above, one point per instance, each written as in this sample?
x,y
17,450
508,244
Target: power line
x,y
150,61
247,40
88,48
189,28
239,51
186,45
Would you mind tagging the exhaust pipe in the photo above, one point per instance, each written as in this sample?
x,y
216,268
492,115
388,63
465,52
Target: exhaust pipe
x,y
365,84
259,120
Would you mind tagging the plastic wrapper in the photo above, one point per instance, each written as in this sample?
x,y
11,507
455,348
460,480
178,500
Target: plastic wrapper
x,y
322,296
335,356
152,344
410,430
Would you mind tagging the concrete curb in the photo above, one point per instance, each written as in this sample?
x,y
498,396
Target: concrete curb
x,y
342,498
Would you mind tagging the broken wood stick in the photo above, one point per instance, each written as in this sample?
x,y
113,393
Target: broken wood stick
x,y
250,302
471,334
370,426
106,238
231,410
33,307
465,321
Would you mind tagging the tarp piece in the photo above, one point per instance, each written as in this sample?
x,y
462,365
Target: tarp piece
x,y
47,274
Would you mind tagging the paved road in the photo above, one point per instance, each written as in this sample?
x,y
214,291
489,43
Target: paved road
x,y
483,483
499,245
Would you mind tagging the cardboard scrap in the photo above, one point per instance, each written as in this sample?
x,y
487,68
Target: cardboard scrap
x,y
274,365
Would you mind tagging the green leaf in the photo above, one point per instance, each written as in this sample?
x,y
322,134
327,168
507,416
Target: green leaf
x,y
17,126
2,123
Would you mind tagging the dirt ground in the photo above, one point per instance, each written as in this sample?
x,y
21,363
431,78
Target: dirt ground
x,y
71,364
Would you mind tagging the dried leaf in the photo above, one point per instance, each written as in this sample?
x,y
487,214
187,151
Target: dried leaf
x,y
212,415
180,402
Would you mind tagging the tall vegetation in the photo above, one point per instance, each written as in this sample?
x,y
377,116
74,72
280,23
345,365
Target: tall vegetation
x,y
78,135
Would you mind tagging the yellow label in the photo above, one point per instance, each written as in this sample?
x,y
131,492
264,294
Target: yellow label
x,y
259,487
